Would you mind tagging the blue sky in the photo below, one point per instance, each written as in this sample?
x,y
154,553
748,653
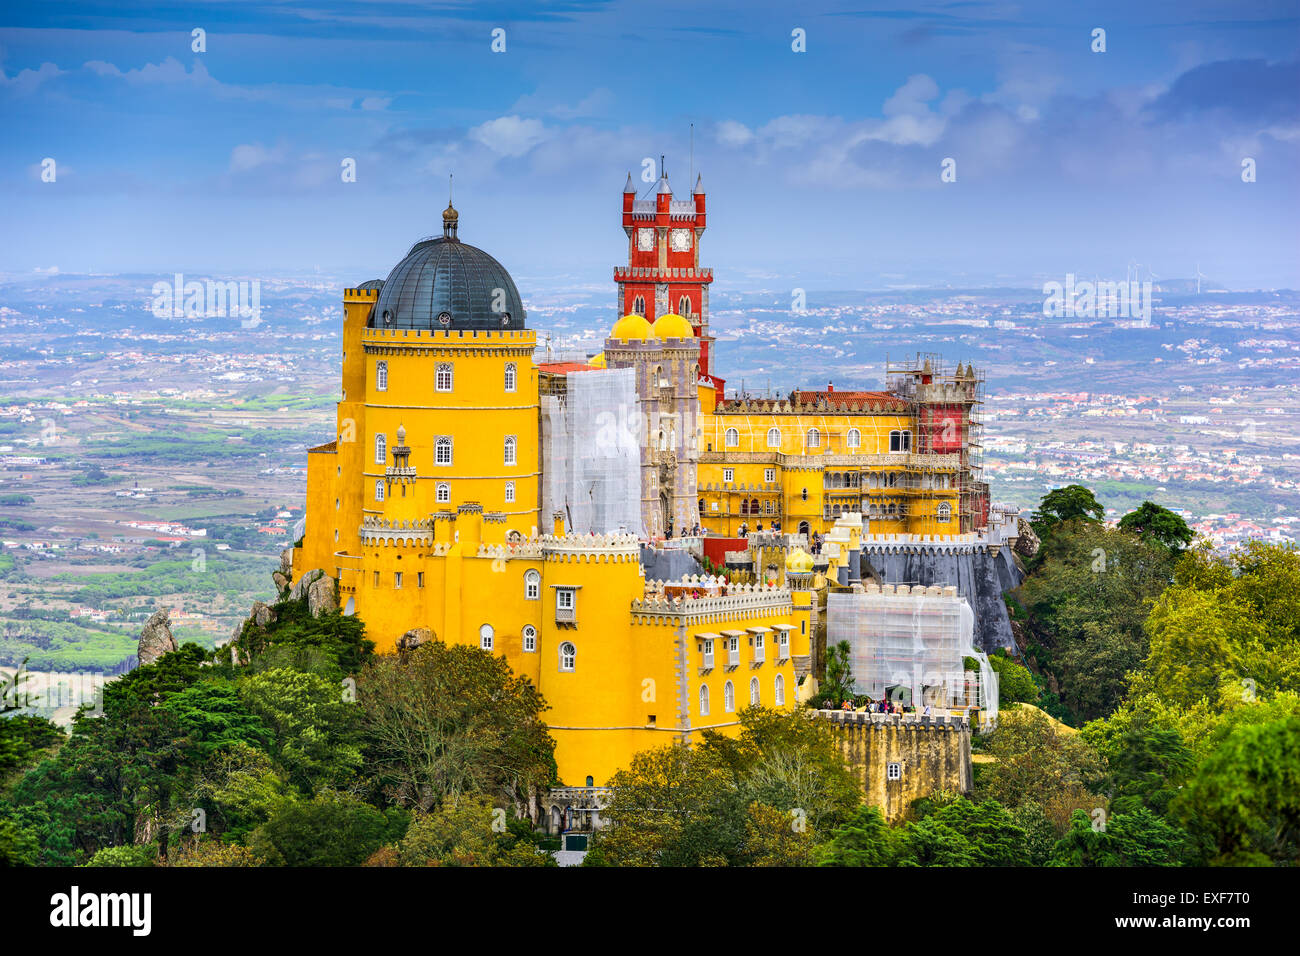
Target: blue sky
x,y
822,167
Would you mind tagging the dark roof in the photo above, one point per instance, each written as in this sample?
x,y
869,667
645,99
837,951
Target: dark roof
x,y
444,283
372,284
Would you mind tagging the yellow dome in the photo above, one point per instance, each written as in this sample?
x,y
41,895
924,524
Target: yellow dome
x,y
673,326
597,360
799,561
630,327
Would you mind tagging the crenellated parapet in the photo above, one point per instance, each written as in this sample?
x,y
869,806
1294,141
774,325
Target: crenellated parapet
x,y
590,547
383,531
740,601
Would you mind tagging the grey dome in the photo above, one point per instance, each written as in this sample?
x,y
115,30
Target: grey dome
x,y
444,283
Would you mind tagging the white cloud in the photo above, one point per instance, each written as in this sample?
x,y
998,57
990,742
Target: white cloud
x,y
731,133
509,135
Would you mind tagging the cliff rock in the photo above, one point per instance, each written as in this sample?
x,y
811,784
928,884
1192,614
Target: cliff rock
x,y
413,639
156,638
1027,543
317,589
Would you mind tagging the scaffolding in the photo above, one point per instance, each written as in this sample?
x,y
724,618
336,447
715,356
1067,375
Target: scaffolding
x,y
945,404
911,645
591,451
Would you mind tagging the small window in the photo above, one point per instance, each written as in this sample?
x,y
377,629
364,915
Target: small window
x,y
419,579
376,579
729,698
708,652
381,449
568,656
486,636
774,438
943,512
783,644
564,598
760,651
442,451
510,491
510,449
894,771
381,376
814,438
728,475
510,376
779,690
397,580
754,697
907,441
769,475
532,585
638,305
733,651
704,701
379,491
731,438
442,379
855,438
684,306
530,639
444,492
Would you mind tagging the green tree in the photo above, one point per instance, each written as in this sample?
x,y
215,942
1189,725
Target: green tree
x,y
838,685
1137,838
962,833
471,832
865,839
1071,503
330,829
1015,682
1158,524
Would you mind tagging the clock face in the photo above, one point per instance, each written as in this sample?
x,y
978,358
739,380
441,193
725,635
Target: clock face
x,y
645,240
681,239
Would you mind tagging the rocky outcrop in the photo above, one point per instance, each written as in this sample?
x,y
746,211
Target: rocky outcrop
x,y
413,639
317,589
283,574
156,639
1027,543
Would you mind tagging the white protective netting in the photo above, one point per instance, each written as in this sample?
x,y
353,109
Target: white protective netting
x,y
592,453
910,644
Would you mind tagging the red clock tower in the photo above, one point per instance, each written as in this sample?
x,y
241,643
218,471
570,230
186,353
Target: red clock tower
x,y
663,271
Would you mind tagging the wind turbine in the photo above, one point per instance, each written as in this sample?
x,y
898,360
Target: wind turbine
x,y
1199,277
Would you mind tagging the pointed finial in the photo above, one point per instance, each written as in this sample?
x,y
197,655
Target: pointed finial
x,y
629,188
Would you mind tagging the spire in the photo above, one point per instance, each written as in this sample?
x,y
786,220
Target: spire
x,y
629,188
450,217
699,185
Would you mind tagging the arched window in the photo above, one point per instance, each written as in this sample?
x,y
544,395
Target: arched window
x,y
442,451
732,438
444,492
568,656
779,690
379,491
907,441
510,449
943,512
855,438
814,438
510,491
638,305
442,377
753,692
510,376
744,506
803,527
729,698
381,376
684,306
704,701
381,449
774,438
532,585
753,506
530,639
486,636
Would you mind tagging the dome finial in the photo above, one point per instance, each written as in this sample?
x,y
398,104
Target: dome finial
x,y
450,217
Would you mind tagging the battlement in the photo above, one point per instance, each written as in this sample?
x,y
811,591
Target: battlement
x,y
741,600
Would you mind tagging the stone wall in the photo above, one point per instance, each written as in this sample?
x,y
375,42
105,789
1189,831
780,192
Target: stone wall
x,y
932,755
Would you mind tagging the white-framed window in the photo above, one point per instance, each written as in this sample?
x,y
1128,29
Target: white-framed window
x,y
397,580
381,376
729,697
733,650
486,635
511,447
442,377
907,441
419,579
769,475
638,305
814,438
855,438
510,491
731,438
564,598
754,693
530,638
443,492
760,649
442,450
568,656
704,701
900,441
943,512
708,652
532,586
774,438
894,771
511,375
381,449
728,475
778,690
783,645
379,491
